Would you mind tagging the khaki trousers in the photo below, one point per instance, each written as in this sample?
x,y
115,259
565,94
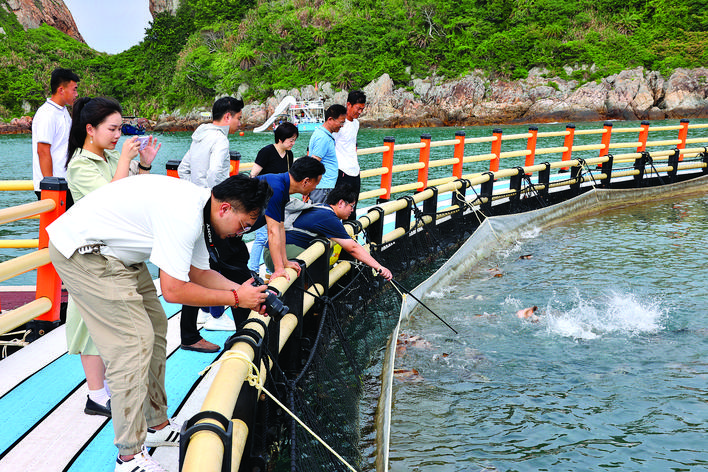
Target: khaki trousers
x,y
120,307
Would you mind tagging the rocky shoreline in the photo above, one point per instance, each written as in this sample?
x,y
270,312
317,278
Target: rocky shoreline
x,y
635,94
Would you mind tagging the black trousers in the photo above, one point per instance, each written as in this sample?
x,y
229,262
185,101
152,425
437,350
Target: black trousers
x,y
233,265
355,182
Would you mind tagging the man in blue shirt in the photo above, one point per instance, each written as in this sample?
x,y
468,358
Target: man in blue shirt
x,y
303,177
322,148
326,220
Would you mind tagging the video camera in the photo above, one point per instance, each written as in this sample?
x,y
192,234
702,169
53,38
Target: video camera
x,y
274,306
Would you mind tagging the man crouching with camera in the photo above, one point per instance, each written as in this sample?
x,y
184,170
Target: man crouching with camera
x,y
100,248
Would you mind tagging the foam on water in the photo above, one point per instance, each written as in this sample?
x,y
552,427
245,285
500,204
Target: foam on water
x,y
617,313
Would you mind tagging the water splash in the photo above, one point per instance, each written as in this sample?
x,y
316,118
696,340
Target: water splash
x,y
617,313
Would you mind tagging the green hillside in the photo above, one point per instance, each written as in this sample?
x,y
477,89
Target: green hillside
x,y
213,47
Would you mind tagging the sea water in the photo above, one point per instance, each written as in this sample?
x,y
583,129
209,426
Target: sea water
x,y
614,376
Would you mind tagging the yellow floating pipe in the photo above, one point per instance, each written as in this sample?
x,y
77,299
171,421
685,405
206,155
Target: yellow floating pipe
x,y
696,140
588,131
667,128
692,165
16,185
373,172
625,173
441,181
205,452
511,137
587,147
21,315
507,154
372,193
627,130
238,444
404,147
19,265
406,167
478,158
447,142
19,243
406,187
485,139
553,134
551,150
372,150
443,162
26,210
625,145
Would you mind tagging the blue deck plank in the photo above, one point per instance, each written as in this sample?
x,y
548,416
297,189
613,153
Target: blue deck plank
x,y
183,369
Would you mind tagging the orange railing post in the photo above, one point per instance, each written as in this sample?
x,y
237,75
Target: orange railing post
x,y
606,137
643,136
459,154
171,168
387,161
235,162
496,150
425,159
683,133
568,145
48,281
531,147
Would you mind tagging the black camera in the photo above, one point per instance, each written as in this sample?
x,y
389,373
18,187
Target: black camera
x,y
274,306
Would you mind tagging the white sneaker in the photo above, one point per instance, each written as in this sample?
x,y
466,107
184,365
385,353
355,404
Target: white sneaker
x,y
142,462
167,436
222,323
203,316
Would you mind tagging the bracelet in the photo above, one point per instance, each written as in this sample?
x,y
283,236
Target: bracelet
x,y
235,297
140,166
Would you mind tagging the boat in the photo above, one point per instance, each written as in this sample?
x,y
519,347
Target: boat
x,y
307,115
132,127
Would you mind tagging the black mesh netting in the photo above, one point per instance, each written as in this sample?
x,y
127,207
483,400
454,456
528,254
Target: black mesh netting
x,y
347,331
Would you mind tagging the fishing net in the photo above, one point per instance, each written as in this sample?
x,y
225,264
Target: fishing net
x,y
335,389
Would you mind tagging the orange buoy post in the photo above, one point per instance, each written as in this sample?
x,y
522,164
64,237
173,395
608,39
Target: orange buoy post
x,y
496,150
235,162
683,133
643,136
171,168
387,161
48,281
568,145
459,154
425,159
531,147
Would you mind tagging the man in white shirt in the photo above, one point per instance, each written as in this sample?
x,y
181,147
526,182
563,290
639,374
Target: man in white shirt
x,y
206,164
345,145
208,161
50,129
99,248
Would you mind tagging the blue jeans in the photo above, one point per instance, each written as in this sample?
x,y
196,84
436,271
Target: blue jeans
x,y
254,262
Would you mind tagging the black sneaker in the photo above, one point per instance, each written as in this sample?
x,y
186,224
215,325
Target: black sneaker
x,y
93,408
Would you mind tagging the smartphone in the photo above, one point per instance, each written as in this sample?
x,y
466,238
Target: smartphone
x,y
143,141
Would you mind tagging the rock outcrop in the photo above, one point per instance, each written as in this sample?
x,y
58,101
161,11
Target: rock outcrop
x,y
634,94
159,6
34,13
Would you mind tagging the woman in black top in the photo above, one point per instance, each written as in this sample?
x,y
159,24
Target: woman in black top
x,y
272,159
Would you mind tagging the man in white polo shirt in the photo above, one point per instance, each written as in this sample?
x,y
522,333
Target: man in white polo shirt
x,y
345,145
50,129
99,248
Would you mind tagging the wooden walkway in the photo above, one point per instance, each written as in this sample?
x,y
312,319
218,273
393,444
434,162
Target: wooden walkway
x,y
42,396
